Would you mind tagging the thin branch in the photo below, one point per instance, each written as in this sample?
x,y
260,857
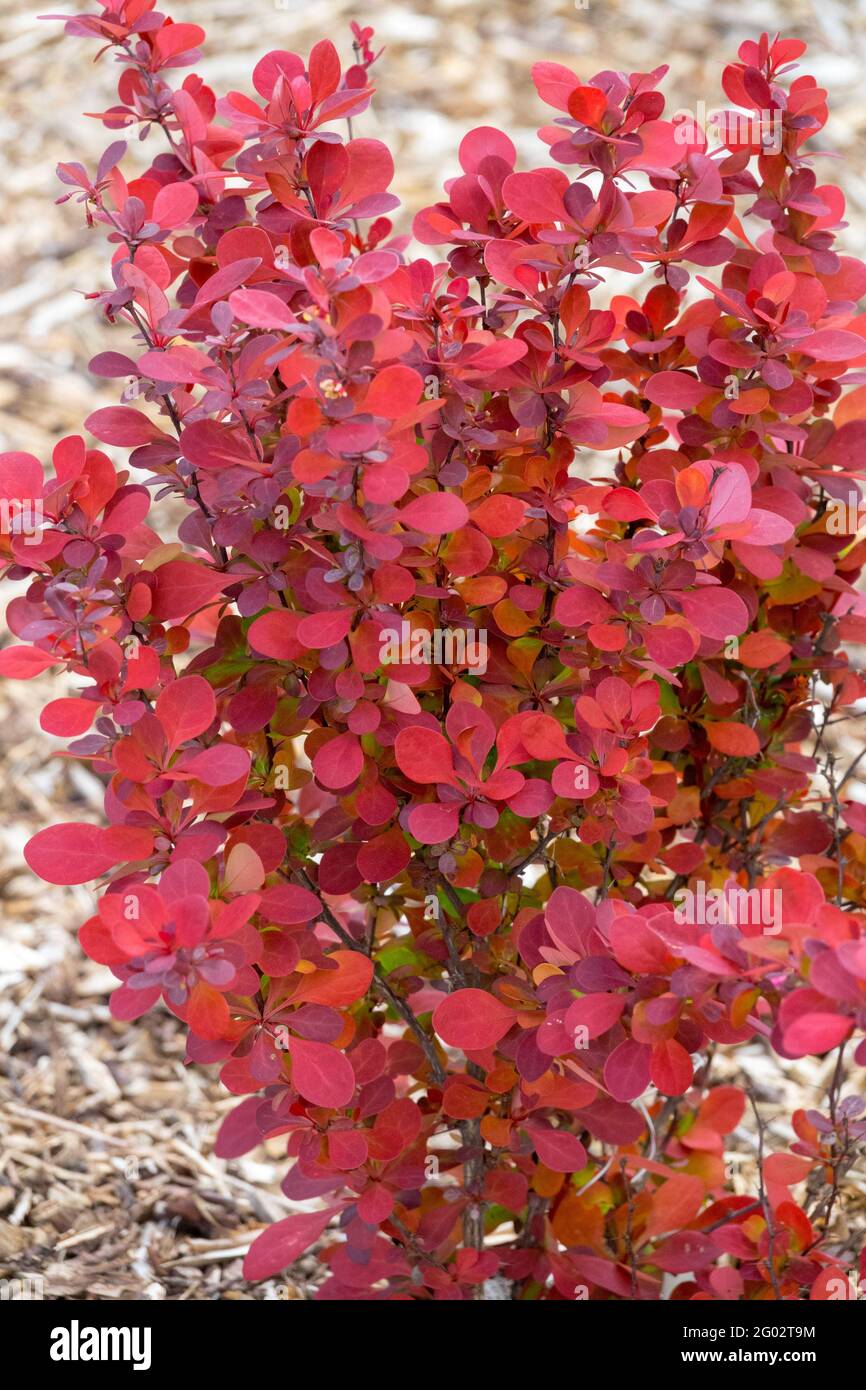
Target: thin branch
x,y
762,1193
379,981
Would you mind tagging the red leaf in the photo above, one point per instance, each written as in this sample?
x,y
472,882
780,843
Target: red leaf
x,y
424,755
686,1252
339,762
376,1204
218,766
675,390
580,605
433,824
786,1170
274,634
123,426
558,1149
68,716
554,83
816,1033
21,476
435,514
185,709
587,104
175,203
625,504
239,1131
183,363
801,832
384,857
570,919
535,196
226,279
472,1019
723,1109
595,1012
324,69
77,852
671,1068
626,1071
464,1099
283,1243
321,1074
182,588
209,445
23,663
127,1004
716,612
173,39
322,630
833,1284
260,309
288,904
393,392
832,345
636,946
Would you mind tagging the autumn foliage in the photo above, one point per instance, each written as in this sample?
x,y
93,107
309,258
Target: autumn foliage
x,y
423,914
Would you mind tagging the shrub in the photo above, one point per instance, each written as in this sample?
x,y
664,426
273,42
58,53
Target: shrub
x,y
463,795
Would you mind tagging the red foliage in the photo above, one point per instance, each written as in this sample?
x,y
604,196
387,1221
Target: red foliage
x,y
421,895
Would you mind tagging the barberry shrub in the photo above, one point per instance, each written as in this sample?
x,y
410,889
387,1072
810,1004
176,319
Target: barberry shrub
x,y
463,793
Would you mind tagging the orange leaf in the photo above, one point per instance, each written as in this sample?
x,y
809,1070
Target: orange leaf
x,y
734,740
578,1221
511,619
349,982
545,1182
496,1132
750,402
762,649
208,1012
676,1203
463,1098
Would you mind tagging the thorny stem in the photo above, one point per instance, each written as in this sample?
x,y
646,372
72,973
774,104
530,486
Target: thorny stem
x,y
836,819
535,1209
176,422
463,974
730,1216
762,1194
537,851
379,982
824,1209
609,852
413,1244
629,1242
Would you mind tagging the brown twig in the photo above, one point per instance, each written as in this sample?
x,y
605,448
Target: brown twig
x,y
379,981
762,1194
